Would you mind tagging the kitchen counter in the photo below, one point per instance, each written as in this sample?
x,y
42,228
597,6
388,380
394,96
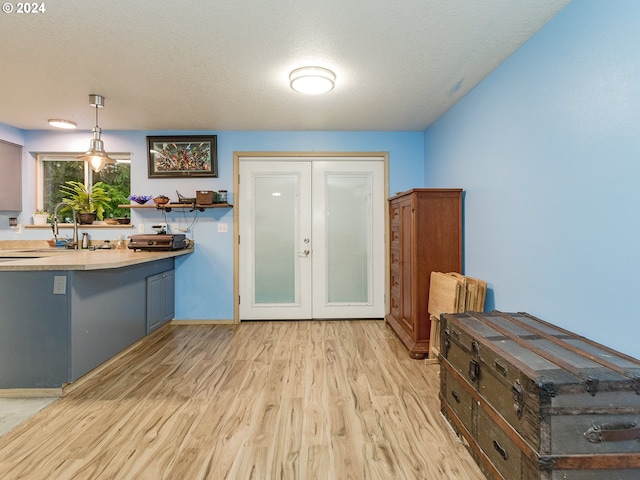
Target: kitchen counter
x,y
39,259
64,312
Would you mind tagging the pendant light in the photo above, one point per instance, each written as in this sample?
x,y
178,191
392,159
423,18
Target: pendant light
x,y
96,156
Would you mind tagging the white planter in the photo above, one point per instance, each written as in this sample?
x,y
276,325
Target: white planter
x,y
40,219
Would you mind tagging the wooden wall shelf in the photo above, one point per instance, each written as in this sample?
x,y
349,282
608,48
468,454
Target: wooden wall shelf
x,y
80,225
169,206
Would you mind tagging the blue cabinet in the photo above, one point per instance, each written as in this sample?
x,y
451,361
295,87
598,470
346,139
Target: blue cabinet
x,y
160,299
48,339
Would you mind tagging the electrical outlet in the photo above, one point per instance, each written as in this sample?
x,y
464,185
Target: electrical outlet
x,y
222,228
17,228
141,228
59,285
175,227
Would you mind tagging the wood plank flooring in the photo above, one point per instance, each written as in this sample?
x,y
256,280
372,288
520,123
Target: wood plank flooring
x,y
260,400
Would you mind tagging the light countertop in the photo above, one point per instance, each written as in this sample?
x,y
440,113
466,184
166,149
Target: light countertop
x,y
25,259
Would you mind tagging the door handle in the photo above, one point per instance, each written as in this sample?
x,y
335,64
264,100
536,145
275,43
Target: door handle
x,y
306,251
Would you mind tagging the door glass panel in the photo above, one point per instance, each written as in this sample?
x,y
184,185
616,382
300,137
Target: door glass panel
x,y
348,217
275,210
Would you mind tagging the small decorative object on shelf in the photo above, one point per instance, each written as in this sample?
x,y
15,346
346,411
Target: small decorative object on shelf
x,y
182,199
140,199
206,197
161,200
40,217
86,218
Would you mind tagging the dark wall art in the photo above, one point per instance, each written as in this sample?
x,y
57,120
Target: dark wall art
x,y
183,156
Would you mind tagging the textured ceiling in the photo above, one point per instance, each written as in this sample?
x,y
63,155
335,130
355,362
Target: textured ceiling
x,y
213,65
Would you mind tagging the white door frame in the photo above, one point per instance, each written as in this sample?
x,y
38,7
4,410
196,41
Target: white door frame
x,y
266,156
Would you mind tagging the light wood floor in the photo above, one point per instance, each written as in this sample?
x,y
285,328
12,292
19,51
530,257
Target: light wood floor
x,y
260,400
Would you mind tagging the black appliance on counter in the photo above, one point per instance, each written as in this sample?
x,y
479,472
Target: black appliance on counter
x,y
158,241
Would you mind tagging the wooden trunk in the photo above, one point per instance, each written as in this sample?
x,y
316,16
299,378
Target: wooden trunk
x,y
426,236
535,401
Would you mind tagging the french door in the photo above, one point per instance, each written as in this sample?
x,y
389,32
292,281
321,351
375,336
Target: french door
x,y
311,238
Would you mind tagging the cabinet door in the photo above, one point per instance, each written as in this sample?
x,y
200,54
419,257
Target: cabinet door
x,y
154,302
168,295
160,299
11,178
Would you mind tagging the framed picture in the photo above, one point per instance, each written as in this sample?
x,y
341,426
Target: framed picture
x,y
183,156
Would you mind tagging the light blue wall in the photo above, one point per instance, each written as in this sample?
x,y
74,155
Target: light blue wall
x,y
547,149
11,134
204,280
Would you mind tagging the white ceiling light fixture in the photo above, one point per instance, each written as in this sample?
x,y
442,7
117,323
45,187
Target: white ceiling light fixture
x,y
96,156
312,80
60,123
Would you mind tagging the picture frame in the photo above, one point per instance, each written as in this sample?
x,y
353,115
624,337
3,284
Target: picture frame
x,y
182,156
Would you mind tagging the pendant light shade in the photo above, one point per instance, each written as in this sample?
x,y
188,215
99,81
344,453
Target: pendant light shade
x,y
96,155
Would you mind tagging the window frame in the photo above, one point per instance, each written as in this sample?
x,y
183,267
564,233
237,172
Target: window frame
x,y
41,157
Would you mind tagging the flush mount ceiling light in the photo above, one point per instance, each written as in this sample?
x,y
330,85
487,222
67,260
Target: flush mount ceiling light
x,y
312,80
60,123
96,156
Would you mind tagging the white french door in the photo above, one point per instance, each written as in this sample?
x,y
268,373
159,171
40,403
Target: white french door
x,y
275,233
311,238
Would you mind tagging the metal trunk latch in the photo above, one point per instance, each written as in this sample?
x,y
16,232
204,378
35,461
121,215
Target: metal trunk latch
x,y
592,386
518,397
547,390
635,384
447,343
474,370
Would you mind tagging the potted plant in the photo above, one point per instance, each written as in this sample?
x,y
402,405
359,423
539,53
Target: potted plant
x,y
89,203
118,197
40,217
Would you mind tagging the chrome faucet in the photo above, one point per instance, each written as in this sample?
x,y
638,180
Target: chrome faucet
x,y
54,224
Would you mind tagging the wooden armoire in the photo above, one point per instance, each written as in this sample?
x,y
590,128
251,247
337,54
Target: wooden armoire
x,y
425,237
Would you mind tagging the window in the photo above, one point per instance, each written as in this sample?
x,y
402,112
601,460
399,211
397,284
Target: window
x,y
54,169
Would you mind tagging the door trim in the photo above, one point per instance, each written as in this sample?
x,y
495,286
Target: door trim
x,y
266,156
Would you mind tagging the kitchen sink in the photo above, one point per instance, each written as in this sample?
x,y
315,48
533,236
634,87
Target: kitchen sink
x,y
33,252
49,250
